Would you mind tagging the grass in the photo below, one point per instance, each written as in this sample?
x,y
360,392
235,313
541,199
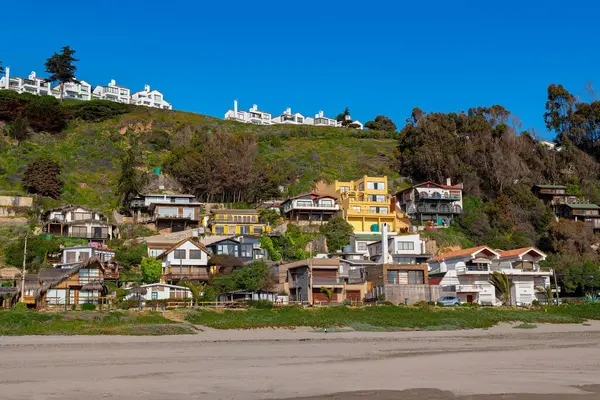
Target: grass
x,y
88,323
390,318
525,326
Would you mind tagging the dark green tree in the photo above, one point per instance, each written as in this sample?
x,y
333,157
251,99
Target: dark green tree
x,y
42,177
1,68
38,248
338,232
19,129
130,182
381,123
344,118
131,255
61,67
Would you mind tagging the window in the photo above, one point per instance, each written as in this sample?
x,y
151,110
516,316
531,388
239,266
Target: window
x,y
416,277
79,231
244,230
154,295
195,254
71,256
79,216
231,229
327,203
406,245
404,260
378,210
361,186
392,277
258,230
247,251
219,230
344,189
356,208
375,185
179,254
304,203
361,246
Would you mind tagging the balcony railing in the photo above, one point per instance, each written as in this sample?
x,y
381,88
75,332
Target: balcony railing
x,y
468,288
438,209
313,206
473,269
185,275
318,280
438,196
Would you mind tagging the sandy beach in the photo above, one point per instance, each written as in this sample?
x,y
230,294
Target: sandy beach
x,y
549,362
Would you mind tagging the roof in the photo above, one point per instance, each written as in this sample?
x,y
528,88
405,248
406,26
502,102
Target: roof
x,y
158,284
168,195
9,273
313,195
584,206
463,252
170,204
456,187
233,211
366,236
175,246
315,262
435,280
231,239
54,276
551,186
519,252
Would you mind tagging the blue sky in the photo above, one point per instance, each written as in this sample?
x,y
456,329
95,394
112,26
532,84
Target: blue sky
x,y
376,57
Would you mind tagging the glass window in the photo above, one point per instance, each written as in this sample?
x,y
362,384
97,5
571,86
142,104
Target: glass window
x,y
344,189
247,251
179,254
79,231
154,295
258,230
356,208
392,277
416,277
219,230
361,246
406,245
195,254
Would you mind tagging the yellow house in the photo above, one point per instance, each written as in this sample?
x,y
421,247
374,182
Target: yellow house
x,y
236,222
366,204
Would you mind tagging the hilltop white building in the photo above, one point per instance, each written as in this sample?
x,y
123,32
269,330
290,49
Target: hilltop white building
x,y
321,120
288,118
74,91
113,92
32,84
150,98
254,116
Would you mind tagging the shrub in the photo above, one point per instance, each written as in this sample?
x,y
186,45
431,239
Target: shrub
x,y
44,113
387,303
96,110
88,307
12,105
42,176
260,304
21,307
422,304
439,304
159,140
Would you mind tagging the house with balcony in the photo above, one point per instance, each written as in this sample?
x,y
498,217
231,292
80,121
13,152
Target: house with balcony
x,y
586,213
168,212
78,222
56,287
187,259
304,280
80,90
236,222
32,84
554,196
366,204
78,254
360,242
289,118
430,203
246,248
310,208
466,273
160,291
402,249
112,92
321,120
150,98
253,116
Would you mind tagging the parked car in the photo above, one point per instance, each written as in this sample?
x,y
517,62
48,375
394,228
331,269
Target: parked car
x,y
448,301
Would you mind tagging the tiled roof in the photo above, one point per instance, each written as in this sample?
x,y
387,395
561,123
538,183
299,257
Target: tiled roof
x,y
551,186
517,252
462,252
584,206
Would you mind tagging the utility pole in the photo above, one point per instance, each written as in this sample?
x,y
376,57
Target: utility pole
x,y
556,285
24,271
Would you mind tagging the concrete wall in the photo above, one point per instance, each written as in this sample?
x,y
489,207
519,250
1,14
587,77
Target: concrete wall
x,y
16,201
414,293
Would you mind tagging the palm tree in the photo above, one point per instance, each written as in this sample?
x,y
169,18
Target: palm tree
x,y
547,291
328,292
503,285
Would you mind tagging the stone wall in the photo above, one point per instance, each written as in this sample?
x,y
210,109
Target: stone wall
x,y
413,293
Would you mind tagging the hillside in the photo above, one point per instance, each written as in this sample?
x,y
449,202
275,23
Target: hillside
x,y
90,152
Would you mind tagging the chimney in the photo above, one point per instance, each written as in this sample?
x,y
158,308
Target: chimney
x,y
235,107
112,83
288,111
254,107
449,181
320,113
7,74
32,75
384,243
147,88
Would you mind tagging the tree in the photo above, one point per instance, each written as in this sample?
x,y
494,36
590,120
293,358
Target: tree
x,y
131,255
267,244
42,177
547,291
1,68
381,123
130,182
38,248
503,285
19,129
254,278
328,292
341,117
338,232
61,67
151,269
226,263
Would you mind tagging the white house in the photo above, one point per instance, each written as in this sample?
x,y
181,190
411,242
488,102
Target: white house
x,y
289,118
401,249
254,116
79,254
159,291
78,222
185,260
74,91
32,84
150,98
113,92
321,120
467,273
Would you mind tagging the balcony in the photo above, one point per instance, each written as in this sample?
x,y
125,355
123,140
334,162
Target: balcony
x,y
327,281
172,276
175,216
473,269
433,208
314,206
438,196
468,288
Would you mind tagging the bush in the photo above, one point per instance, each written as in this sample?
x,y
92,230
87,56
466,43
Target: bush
x,y
439,304
387,303
88,307
45,114
422,304
21,307
96,110
42,176
260,304
159,140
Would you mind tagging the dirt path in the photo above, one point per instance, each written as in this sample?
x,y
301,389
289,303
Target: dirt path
x,y
269,364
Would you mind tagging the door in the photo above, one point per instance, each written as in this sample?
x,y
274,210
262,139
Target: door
x,y
469,298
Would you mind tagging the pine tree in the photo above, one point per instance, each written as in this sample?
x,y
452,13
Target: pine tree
x,y
61,67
